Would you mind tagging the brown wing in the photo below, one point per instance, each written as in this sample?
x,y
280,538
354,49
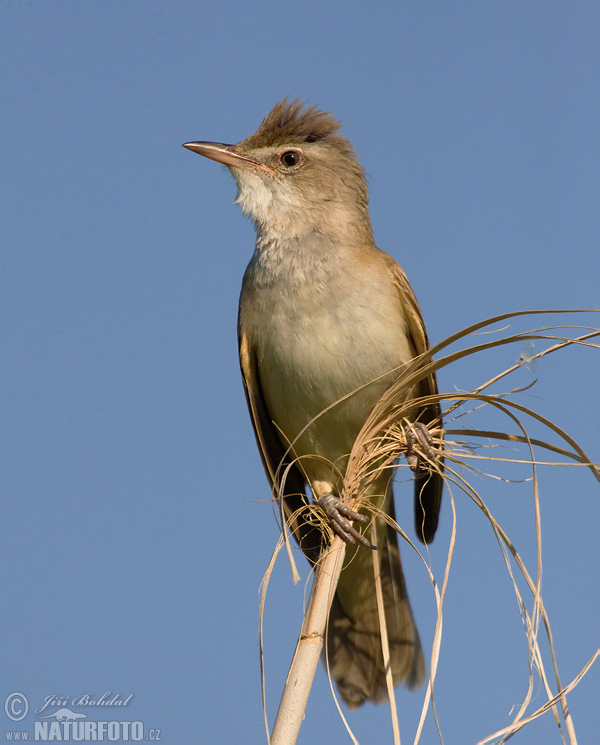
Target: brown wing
x,y
294,502
428,486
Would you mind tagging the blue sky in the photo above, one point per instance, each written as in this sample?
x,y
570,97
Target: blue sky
x,y
136,523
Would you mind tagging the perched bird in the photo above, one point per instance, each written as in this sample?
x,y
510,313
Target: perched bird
x,y
325,315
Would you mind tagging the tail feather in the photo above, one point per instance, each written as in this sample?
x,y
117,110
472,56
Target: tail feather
x,y
354,649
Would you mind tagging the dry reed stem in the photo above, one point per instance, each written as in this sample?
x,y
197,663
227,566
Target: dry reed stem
x,y
308,649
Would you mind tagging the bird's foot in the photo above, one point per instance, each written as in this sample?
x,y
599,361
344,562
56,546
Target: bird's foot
x,y
341,517
418,433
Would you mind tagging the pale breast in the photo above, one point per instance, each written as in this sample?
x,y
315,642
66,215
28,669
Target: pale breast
x,y
318,339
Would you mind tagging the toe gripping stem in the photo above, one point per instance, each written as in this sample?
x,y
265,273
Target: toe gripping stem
x,y
418,433
341,518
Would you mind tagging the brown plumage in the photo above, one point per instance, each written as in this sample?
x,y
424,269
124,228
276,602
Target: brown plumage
x,y
326,317
293,123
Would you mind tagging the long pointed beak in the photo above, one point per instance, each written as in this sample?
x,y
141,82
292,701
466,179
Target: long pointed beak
x,y
224,154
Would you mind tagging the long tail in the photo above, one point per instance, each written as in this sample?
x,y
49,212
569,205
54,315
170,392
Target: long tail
x,y
353,637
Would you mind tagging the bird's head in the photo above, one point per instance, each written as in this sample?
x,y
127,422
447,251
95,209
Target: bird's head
x,y
297,174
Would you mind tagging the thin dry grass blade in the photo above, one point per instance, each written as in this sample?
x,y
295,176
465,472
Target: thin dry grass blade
x,y
385,646
505,734
261,612
437,636
380,444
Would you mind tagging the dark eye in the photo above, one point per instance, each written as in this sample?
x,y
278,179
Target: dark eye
x,y
290,158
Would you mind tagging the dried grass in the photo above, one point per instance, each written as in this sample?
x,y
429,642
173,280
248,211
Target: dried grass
x,y
381,443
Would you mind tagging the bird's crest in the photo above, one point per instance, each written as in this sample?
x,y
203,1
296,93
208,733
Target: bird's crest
x,y
294,123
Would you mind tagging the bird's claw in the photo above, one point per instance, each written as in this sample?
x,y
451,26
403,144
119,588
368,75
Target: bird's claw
x,y
341,517
418,433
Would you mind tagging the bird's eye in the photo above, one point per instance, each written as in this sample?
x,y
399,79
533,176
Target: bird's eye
x,y
290,158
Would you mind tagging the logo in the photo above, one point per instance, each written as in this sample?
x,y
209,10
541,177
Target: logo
x,y
60,718
16,706
65,715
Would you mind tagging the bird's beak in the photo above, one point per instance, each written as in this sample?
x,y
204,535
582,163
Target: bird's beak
x,y
224,154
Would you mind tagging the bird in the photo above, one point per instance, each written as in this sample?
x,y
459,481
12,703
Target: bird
x,y
326,319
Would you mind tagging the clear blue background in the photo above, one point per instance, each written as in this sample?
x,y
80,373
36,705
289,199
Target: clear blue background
x,y
135,522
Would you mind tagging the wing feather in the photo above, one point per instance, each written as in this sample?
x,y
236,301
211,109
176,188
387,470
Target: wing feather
x,y
428,486
294,502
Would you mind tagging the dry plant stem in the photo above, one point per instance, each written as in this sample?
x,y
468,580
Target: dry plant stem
x,y
308,650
